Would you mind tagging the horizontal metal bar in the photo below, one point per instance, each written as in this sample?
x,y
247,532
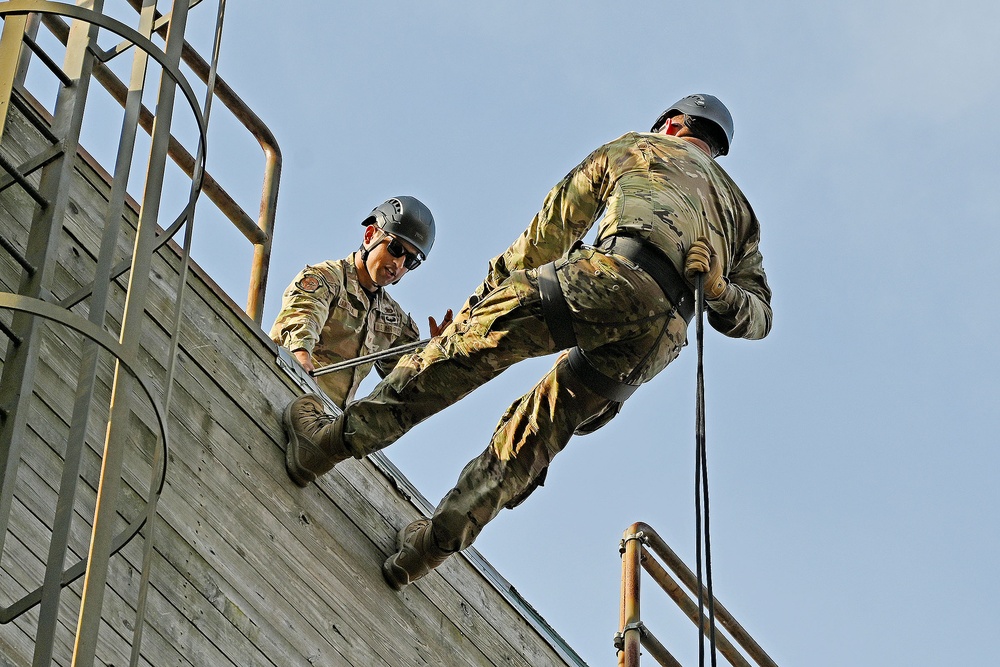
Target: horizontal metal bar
x,y
23,182
10,334
14,252
689,607
181,157
724,617
656,649
47,61
32,165
161,24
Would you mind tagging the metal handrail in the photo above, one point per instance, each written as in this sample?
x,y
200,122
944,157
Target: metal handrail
x,y
260,231
632,633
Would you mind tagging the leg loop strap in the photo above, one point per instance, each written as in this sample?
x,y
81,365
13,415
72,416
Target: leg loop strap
x,y
554,309
602,385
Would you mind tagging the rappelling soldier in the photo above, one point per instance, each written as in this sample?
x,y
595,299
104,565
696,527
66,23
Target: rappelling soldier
x,y
619,310
340,310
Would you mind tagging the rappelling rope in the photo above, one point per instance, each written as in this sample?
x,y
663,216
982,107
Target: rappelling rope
x,y
702,533
701,489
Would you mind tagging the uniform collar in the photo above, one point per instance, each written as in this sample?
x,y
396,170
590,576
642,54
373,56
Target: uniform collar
x,y
355,284
352,273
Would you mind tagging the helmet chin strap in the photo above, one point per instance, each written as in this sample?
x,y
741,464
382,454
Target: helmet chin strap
x,y
364,259
365,251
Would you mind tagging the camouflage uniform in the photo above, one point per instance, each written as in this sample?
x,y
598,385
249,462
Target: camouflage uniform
x,y
659,188
326,312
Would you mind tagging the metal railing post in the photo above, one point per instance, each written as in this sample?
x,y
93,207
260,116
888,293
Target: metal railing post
x,y
34,301
124,386
87,376
629,626
632,632
11,43
19,369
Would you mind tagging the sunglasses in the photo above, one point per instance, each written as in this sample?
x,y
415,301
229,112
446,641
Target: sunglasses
x,y
397,249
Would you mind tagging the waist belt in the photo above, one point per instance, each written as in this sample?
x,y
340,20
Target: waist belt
x,y
651,259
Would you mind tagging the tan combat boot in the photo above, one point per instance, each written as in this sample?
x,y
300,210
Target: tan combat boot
x,y
417,554
315,439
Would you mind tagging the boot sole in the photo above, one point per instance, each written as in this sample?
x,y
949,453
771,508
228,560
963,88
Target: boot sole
x,y
389,576
294,469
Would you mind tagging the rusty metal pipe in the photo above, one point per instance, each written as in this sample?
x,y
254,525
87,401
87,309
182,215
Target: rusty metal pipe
x,y
631,632
262,251
259,232
269,191
690,608
629,623
657,650
688,578
272,176
181,157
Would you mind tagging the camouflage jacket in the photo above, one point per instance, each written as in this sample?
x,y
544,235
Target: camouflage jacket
x,y
327,313
668,192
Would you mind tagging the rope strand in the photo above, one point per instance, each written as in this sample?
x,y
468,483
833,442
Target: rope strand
x,y
702,533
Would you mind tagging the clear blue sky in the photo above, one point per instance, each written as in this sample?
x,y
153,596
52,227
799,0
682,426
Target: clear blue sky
x,y
854,452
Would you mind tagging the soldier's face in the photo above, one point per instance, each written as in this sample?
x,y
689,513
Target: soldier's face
x,y
382,266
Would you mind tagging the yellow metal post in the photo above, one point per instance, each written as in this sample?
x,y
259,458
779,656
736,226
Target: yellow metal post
x,y
10,56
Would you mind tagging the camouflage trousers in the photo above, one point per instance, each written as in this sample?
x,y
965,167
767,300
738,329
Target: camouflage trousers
x,y
623,322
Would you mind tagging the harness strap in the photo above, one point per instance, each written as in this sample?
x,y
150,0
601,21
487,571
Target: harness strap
x,y
554,309
559,320
651,259
602,385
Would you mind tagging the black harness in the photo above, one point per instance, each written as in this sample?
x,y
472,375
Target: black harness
x,y
557,315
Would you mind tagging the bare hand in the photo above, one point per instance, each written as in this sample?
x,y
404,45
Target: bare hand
x,y
305,359
437,329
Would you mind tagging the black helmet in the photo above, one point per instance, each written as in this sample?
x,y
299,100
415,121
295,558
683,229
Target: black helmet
x,y
407,218
708,107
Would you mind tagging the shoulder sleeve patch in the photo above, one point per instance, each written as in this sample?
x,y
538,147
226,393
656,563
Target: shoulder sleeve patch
x,y
309,283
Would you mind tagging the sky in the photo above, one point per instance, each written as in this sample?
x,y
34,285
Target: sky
x,y
852,453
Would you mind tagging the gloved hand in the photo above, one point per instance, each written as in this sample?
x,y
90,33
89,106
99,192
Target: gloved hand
x,y
701,258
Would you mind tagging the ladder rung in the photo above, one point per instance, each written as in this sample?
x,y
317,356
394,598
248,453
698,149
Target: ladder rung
x,y
32,165
51,64
23,182
14,337
16,254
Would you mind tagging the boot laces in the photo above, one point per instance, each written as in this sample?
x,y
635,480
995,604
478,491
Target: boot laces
x,y
314,418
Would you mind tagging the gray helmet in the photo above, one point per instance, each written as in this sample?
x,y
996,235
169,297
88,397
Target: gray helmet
x,y
708,107
407,218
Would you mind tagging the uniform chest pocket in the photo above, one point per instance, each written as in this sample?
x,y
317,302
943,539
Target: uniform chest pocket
x,y
345,305
389,330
